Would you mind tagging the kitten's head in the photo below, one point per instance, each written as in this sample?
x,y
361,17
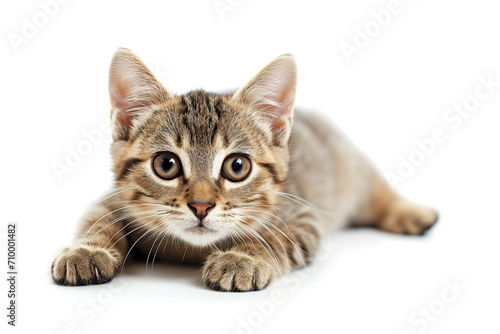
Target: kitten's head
x,y
201,167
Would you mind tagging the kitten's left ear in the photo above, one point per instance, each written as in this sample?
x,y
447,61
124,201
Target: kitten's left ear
x,y
271,94
132,89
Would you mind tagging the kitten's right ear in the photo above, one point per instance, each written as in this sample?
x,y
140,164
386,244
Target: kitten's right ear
x,y
132,89
271,96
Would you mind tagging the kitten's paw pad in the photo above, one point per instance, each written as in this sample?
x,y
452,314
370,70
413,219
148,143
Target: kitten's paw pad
x,y
236,271
84,265
405,217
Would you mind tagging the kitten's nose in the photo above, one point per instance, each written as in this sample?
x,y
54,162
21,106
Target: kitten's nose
x,y
200,210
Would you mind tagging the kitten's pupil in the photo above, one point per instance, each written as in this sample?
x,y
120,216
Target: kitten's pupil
x,y
167,163
237,166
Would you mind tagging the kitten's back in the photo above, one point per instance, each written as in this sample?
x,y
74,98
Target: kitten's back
x,y
325,169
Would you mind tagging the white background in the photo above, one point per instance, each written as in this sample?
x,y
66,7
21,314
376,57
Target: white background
x,y
393,92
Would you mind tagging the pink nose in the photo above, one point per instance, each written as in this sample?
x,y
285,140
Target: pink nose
x,y
200,210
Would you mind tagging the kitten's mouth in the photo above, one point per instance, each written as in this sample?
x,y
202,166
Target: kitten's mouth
x,y
200,229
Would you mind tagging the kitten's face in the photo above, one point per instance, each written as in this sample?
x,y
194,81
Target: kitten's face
x,y
200,167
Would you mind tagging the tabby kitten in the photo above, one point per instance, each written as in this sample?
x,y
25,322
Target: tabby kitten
x,y
225,181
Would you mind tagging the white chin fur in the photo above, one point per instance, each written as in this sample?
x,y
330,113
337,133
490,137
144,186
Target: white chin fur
x,y
200,239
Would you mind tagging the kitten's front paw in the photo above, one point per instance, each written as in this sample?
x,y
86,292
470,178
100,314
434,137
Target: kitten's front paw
x,y
83,265
236,271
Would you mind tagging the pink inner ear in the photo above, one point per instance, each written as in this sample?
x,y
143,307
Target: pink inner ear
x,y
123,119
279,115
121,104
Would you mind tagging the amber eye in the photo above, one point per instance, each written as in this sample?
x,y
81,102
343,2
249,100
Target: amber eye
x,y
167,165
236,167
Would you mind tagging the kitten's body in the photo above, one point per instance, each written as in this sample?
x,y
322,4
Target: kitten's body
x,y
301,186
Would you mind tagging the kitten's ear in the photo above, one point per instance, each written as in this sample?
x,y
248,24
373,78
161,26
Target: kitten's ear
x,y
271,94
132,89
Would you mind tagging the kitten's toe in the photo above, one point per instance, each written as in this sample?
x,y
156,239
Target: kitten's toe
x,y
405,217
84,265
236,271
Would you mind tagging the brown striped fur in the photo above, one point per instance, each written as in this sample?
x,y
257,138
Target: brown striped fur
x,y
306,180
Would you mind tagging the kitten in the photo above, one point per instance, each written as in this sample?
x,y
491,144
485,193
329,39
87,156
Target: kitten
x,y
226,181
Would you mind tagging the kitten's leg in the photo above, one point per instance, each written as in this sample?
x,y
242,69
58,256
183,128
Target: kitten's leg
x,y
391,212
97,253
254,262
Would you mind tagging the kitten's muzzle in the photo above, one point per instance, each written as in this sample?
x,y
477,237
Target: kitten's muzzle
x,y
200,210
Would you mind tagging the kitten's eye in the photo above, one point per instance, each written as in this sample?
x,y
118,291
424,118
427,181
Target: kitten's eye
x,y
167,165
236,167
